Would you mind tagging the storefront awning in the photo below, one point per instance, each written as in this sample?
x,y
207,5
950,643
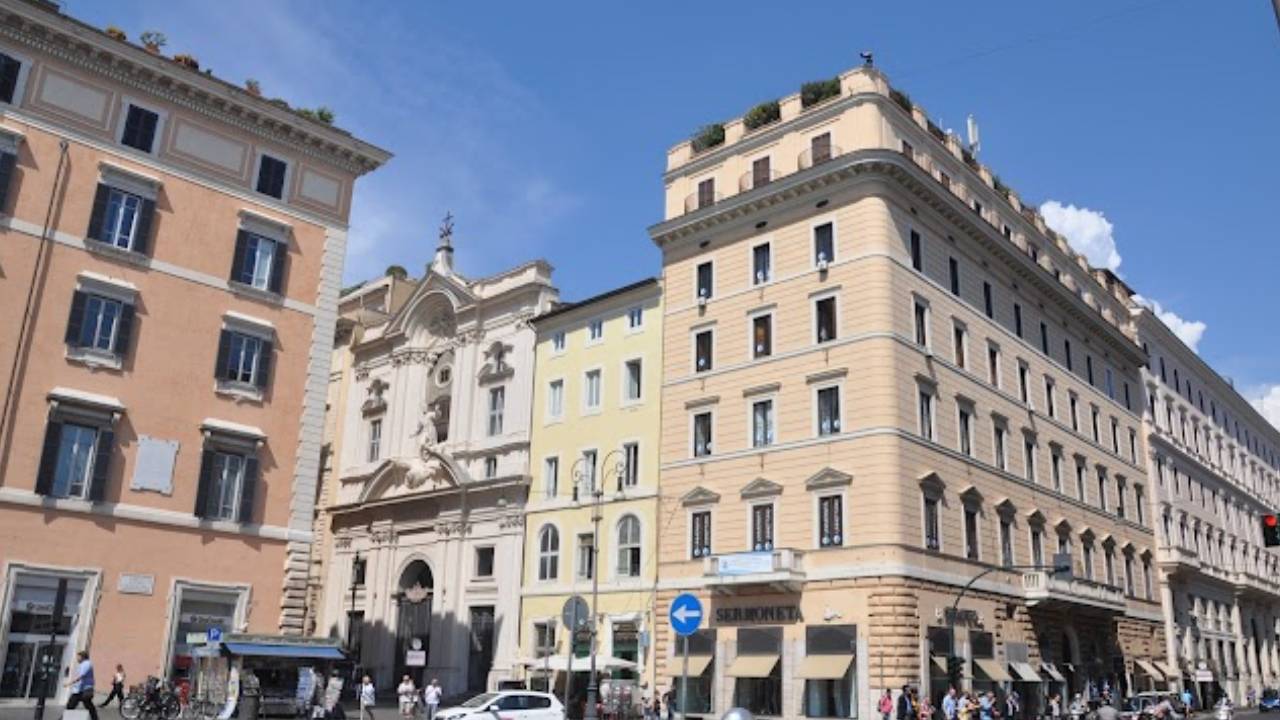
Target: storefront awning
x,y
698,664
753,666
992,669
1052,672
558,663
1169,669
940,663
824,667
314,652
1150,670
1024,672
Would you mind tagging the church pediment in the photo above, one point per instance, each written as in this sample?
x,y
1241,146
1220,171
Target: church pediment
x,y
428,474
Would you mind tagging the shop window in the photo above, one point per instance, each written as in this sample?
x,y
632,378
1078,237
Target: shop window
x,y
829,670
757,671
699,682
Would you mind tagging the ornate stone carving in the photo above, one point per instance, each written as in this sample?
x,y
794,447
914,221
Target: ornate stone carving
x,y
375,402
513,520
342,542
457,527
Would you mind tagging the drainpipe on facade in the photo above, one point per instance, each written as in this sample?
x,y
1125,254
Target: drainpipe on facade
x,y
35,292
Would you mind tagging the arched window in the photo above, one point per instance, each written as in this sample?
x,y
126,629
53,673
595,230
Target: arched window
x,y
548,553
629,547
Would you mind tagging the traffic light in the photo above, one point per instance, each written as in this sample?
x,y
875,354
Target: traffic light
x,y
955,670
1271,530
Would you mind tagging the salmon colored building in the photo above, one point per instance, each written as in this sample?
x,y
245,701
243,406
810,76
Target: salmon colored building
x,y
171,248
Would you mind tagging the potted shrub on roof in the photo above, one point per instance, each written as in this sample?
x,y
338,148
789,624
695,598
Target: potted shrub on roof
x,y
708,137
116,33
252,87
812,93
153,40
321,114
762,114
187,61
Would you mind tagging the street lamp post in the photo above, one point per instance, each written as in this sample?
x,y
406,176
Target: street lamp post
x,y
584,473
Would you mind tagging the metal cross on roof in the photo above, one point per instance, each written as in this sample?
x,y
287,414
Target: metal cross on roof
x,y
446,229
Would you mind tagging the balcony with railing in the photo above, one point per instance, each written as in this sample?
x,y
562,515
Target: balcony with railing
x,y
817,155
781,569
753,179
701,199
1042,587
1175,557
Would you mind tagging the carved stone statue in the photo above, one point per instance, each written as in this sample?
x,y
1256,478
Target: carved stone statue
x,y
424,468
427,420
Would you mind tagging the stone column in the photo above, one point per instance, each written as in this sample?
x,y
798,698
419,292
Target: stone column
x,y
1170,629
1237,627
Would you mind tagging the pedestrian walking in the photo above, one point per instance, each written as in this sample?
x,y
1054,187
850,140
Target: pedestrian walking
x,y
906,710
431,697
885,705
950,704
1055,706
368,697
407,692
924,709
1188,700
117,687
81,684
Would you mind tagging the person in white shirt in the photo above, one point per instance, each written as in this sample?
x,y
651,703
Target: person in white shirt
x,y
368,694
408,693
431,696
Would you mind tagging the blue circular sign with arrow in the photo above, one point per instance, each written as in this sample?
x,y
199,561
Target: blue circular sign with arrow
x,y
686,614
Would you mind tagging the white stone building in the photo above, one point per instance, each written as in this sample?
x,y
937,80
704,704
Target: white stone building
x,y
430,479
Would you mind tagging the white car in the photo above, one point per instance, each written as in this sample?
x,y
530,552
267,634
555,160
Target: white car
x,y
506,705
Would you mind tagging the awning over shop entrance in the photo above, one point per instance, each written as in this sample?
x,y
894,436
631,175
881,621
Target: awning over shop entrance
x,y
1169,669
1052,672
1024,672
1150,670
697,665
753,666
939,662
824,667
991,669
315,652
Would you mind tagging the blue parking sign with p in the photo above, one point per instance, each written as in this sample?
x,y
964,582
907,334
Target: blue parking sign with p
x,y
686,614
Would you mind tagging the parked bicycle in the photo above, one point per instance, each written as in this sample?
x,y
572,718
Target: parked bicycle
x,y
155,699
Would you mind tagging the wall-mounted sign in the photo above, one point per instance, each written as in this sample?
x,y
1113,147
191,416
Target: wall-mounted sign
x,y
415,658
748,563
962,616
129,584
758,615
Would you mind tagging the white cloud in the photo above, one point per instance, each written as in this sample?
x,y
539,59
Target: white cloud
x,y
1088,231
1188,331
1267,402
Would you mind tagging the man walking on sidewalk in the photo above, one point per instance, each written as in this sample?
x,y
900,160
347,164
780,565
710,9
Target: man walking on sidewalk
x,y
431,696
81,684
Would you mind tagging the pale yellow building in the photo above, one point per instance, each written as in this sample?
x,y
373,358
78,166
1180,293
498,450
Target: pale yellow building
x,y
883,378
594,426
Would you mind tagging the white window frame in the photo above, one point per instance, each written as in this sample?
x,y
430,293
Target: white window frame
x,y
633,312
814,298
703,261
998,371
818,222
492,413
1000,443
772,430
550,489
559,342
373,446
624,397
618,547
960,351
751,263
693,414
591,324
694,332
162,119
965,406
932,391
818,497
922,301
20,85
551,415
289,165
587,407
976,507
769,311
816,430
539,553
579,561
626,466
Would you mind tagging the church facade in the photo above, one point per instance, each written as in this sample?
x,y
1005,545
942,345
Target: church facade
x,y
426,485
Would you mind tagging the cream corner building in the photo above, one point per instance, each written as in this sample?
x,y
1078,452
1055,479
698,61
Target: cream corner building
x,y
595,424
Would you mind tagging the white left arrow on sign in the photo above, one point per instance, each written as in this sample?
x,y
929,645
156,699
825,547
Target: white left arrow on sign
x,y
684,613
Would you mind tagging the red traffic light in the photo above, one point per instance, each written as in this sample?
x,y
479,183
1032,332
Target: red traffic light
x,y
1270,520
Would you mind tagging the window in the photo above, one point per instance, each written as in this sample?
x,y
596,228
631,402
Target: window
x,y
1146,578
634,380
497,399
761,336
99,323
551,477
831,697
920,315
1109,382
75,460
586,556
629,547
635,318
10,68
831,521
706,192
1024,393
271,176
140,127
917,252
1093,421
558,341
1088,365
1050,399
548,553
1017,319
828,411
702,434
121,219
258,262
1087,559
1001,446
584,482
932,533
820,147
1066,351
926,414
1102,489
761,262
555,399
1128,576
484,562
243,359
954,268
761,527
824,244
1029,457
702,351
762,423
960,339
1120,493
1075,411
700,534
375,440
760,172
704,280
1006,542
1138,502
591,397
228,476
1056,463
1080,474
1109,560
824,311
630,464
971,533
1044,338
966,431
491,467
1115,436
595,330
988,305
993,365
1037,546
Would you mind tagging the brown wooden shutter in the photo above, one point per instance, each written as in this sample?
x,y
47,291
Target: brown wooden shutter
x,y
248,489
49,457
204,484
76,318
99,214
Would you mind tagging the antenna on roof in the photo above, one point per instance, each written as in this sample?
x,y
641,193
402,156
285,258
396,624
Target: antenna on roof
x,y
974,141
868,58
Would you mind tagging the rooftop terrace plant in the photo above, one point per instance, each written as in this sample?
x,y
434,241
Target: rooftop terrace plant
x,y
708,137
762,114
812,93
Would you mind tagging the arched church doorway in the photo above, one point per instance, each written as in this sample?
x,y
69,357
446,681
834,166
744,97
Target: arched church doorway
x,y
413,621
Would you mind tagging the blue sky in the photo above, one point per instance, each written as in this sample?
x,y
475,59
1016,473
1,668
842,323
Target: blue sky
x,y
543,126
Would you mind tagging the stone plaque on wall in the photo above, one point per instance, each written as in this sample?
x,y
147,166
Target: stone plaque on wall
x,y
130,584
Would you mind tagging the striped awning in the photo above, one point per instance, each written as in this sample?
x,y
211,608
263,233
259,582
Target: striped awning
x,y
1150,670
753,666
824,667
1025,672
1052,672
992,669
